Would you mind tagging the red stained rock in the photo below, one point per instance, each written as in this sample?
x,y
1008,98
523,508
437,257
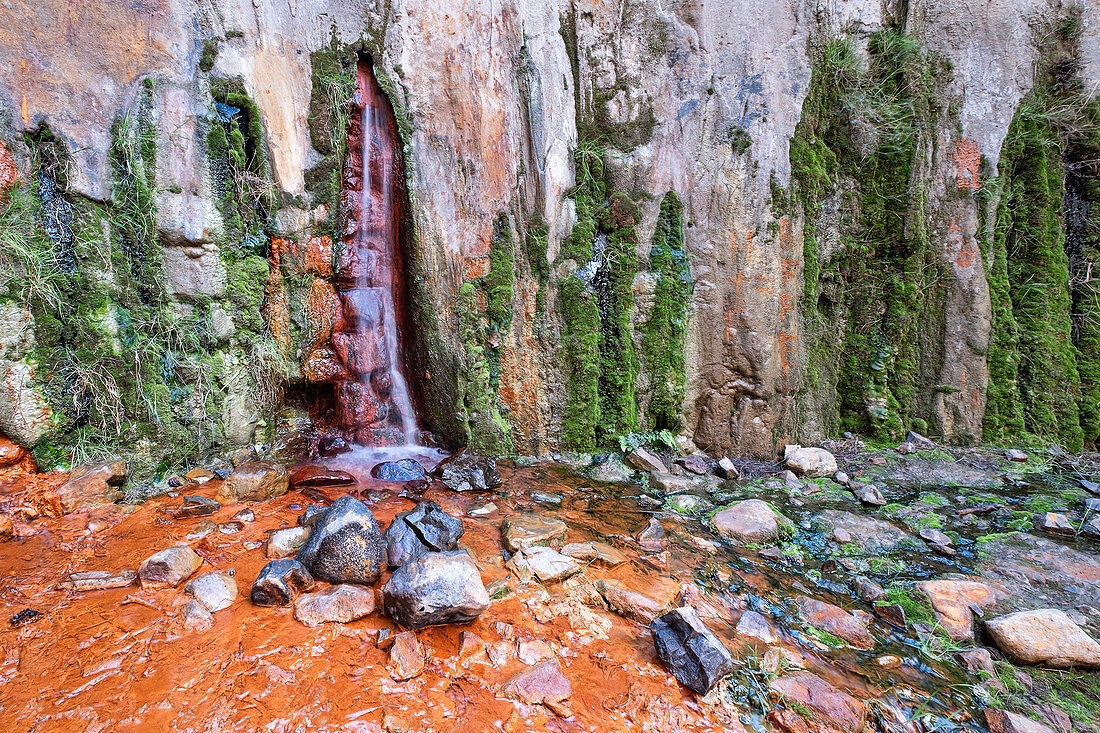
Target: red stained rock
x,y
9,171
835,710
835,620
355,268
323,366
362,305
360,353
318,477
11,452
319,256
325,314
358,406
540,683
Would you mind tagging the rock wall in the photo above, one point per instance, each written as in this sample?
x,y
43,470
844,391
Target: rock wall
x,y
561,296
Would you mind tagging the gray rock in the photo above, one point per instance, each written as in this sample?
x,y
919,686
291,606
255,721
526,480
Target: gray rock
x,y
689,650
427,528
694,464
213,591
1090,486
919,441
810,462
869,494
339,603
651,538
1044,636
470,473
168,568
345,545
727,469
936,537
747,522
687,504
404,470
195,617
280,582
668,483
873,535
841,478
524,530
1091,528
868,590
286,542
1057,524
436,588
755,627
611,469
1016,455
548,565
646,460
97,580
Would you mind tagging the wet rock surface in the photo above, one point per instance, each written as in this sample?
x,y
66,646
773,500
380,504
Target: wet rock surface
x,y
92,485
1044,636
319,477
404,470
471,473
254,481
827,704
427,528
523,531
339,603
98,580
280,583
212,591
435,588
345,545
749,522
689,650
168,568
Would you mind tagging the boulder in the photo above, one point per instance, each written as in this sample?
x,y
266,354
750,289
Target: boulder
x,y
629,603
213,591
340,603
1045,636
747,522
1002,721
470,473
525,530
952,600
168,568
836,621
407,656
694,464
345,545
280,582
92,485
435,588
254,481
404,470
427,528
832,708
541,683
688,649
810,462
286,542
645,460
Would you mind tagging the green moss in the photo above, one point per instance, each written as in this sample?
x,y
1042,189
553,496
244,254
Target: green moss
x,y
499,284
487,432
917,607
209,55
826,637
663,333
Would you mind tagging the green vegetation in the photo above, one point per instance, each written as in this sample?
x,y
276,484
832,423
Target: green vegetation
x,y
1075,693
825,637
917,607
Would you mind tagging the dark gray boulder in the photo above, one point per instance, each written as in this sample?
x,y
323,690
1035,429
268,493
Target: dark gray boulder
x,y
427,528
345,545
280,582
688,649
435,588
470,473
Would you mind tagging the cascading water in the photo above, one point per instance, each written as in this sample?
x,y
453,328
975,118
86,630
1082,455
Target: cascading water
x,y
374,403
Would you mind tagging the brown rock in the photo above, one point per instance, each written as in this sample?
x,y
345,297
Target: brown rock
x,y
1045,636
597,553
755,627
11,452
652,537
1002,721
832,707
318,477
92,485
629,603
646,460
694,464
526,530
406,656
748,522
835,620
951,600
254,481
469,645
340,603
98,580
540,683
168,568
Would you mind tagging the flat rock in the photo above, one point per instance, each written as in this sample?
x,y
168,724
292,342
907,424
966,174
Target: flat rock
x,y
340,603
286,542
951,600
832,707
651,538
254,481
168,568
1015,455
280,583
1056,523
92,485
836,621
1091,528
935,536
427,528
694,464
747,522
611,469
345,545
197,506
874,536
407,656
646,460
1044,637
98,580
1002,721
525,530
541,683
470,473
668,483
755,627
810,462
213,591
404,470
629,603
547,564
597,553
688,649
435,588
319,477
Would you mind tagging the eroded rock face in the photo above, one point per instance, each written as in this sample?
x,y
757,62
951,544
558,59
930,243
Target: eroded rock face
x,y
436,588
345,545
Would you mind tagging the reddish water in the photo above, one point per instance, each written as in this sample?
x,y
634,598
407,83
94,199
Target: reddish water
x,y
374,404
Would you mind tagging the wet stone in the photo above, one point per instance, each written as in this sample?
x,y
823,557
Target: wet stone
x,y
1090,486
213,591
244,515
201,529
1002,721
1091,528
953,602
470,473
542,683
318,477
668,483
687,504
345,545
230,527
867,590
689,650
748,522
935,536
836,621
644,459
831,707
196,617
755,627
694,464
548,565
310,515
597,553
1047,637
1057,524
727,469
197,506
628,603
652,537
168,568
427,528
98,580
254,481
869,495
404,470
92,485
406,656
280,582
525,530
340,603
286,542
436,588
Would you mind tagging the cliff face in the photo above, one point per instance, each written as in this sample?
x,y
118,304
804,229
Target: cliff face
x,y
747,223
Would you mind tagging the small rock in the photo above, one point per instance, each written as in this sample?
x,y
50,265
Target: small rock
x,y
842,535
631,604
197,506
841,478
888,661
222,473
436,588
694,464
92,485
646,460
1002,721
280,582
469,645
548,565
406,656
481,511
688,649
542,683
936,537
427,528
530,652
168,568
833,709
727,469
11,452
747,522
1057,524
98,580
470,473
310,515
1091,528
1092,505
977,661
668,483
1090,486
810,462
1016,455
836,621
345,545
201,529
254,481
952,601
597,553
230,527
525,530
198,475
701,543
319,477
1047,637
339,603
652,537
404,470
244,515
195,617
94,526
869,494
919,441
213,591
286,542
610,469
790,480
754,626
906,448
868,590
